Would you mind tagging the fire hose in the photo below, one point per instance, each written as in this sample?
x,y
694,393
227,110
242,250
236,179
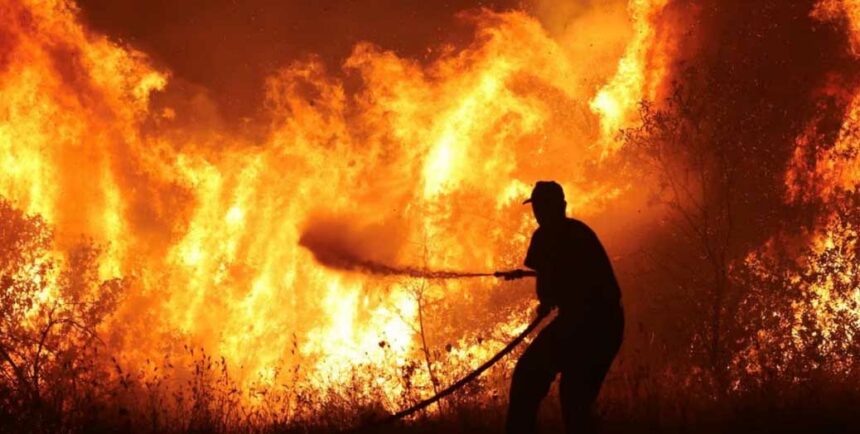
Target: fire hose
x,y
508,275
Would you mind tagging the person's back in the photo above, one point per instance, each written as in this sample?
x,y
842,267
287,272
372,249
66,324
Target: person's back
x,y
574,274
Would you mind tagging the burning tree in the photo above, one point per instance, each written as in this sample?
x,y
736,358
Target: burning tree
x,y
800,313
802,309
50,310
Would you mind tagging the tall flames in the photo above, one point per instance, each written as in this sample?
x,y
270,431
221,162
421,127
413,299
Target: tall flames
x,y
831,181
424,166
819,330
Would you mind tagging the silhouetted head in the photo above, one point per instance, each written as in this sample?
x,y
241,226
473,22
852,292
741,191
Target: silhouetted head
x,y
548,203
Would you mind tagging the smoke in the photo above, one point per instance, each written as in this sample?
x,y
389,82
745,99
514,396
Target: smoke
x,y
336,244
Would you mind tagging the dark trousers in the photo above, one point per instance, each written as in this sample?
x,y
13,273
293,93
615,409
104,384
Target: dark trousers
x,y
581,350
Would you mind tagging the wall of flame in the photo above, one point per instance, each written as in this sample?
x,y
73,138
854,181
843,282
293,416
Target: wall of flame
x,y
426,163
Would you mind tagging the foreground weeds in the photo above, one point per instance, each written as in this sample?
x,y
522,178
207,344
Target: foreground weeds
x,y
57,375
633,401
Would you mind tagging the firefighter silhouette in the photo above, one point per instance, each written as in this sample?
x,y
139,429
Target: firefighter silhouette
x,y
573,274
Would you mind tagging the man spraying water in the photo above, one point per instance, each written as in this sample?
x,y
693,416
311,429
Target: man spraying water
x,y
573,274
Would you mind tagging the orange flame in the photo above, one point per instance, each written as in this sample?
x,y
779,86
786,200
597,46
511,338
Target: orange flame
x,y
426,163
825,316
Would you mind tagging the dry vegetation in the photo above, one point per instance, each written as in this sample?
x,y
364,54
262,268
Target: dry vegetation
x,y
770,355
743,307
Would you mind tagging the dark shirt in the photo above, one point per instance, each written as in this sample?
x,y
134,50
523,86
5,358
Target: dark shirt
x,y
573,270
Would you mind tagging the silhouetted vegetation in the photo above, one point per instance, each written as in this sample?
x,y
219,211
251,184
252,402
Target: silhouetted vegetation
x,y
746,301
57,375
50,311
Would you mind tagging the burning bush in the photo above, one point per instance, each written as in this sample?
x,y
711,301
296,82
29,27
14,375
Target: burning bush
x,y
50,312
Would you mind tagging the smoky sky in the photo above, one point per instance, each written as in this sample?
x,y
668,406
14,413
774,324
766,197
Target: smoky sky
x,y
228,47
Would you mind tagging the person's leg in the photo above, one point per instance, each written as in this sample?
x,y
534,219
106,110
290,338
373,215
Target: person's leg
x,y
533,375
579,388
583,374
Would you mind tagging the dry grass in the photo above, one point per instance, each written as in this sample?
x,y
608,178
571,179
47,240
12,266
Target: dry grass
x,y
56,375
634,400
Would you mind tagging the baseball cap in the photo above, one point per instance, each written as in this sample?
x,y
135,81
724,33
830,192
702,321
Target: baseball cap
x,y
546,192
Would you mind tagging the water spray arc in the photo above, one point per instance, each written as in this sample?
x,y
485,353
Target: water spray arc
x,y
346,260
337,255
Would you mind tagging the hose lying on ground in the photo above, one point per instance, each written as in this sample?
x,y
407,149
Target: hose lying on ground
x,y
460,383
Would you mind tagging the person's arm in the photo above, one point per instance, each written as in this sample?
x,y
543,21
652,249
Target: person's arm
x,y
536,260
515,274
